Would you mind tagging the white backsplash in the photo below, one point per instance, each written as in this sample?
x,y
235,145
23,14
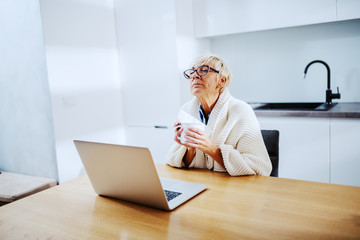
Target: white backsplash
x,y
268,66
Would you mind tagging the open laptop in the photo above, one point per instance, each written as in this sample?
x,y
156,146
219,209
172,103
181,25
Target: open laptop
x,y
129,173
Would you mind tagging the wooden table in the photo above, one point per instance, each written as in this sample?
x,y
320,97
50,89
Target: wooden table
x,y
251,207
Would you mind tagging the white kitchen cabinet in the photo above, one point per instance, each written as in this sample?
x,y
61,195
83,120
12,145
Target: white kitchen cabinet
x,y
213,17
348,9
345,151
149,73
158,140
304,146
148,61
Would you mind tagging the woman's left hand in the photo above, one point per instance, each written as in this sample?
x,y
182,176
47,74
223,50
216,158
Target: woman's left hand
x,y
195,138
198,139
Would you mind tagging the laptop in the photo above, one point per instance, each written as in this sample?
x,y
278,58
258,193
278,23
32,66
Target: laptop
x,y
128,173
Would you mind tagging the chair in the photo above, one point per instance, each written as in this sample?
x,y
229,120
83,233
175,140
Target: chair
x,y
271,140
14,186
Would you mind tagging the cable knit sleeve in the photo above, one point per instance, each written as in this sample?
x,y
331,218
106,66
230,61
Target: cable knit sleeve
x,y
175,156
249,155
238,162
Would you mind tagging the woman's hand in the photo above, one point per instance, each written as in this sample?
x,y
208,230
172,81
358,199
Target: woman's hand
x,y
190,153
178,131
190,136
195,138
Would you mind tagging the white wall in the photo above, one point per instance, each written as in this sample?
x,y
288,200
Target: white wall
x,y
188,47
268,66
147,47
83,70
26,128
148,67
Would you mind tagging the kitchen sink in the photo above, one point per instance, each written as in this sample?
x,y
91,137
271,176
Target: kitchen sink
x,y
296,106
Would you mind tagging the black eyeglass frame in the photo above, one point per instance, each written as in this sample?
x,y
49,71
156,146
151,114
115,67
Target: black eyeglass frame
x,y
196,70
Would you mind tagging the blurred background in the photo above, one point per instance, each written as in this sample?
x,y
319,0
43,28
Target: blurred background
x,y
111,70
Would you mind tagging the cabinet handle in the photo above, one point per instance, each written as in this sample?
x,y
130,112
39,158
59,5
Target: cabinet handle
x,y
163,127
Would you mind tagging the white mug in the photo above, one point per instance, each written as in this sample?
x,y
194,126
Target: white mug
x,y
186,125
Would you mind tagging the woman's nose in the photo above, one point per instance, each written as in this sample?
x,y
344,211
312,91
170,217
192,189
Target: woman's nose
x,y
196,76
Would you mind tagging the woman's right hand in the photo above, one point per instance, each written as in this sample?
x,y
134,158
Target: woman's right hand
x,y
190,153
178,131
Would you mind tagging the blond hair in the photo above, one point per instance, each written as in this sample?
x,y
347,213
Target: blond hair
x,y
218,64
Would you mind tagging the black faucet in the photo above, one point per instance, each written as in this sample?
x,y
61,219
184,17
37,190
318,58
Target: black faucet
x,y
329,95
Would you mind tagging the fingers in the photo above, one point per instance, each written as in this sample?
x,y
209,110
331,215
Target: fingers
x,y
196,130
191,144
194,133
186,143
196,138
176,139
177,124
178,132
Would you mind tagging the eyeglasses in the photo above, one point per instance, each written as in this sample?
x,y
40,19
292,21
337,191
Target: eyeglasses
x,y
201,71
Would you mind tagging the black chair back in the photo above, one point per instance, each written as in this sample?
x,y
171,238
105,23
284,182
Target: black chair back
x,y
271,140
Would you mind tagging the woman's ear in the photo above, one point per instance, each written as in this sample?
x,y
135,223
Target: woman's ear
x,y
222,81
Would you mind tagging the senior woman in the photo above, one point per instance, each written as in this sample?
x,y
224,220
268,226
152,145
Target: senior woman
x,y
235,143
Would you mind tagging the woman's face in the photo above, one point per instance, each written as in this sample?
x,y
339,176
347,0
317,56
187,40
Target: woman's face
x,y
204,85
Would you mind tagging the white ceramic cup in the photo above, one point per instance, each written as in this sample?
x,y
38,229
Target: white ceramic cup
x,y
186,125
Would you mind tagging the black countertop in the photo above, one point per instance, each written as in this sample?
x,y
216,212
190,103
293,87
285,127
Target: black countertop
x,y
340,110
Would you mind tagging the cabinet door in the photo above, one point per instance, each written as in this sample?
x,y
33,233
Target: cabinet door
x,y
214,17
148,65
304,147
345,151
348,9
158,140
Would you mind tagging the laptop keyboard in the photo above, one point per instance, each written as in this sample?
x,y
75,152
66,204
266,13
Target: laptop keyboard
x,y
170,195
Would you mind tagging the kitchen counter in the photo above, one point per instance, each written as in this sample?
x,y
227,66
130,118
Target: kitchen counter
x,y
340,110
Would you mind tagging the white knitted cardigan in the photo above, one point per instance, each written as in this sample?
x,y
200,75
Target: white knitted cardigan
x,y
232,127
